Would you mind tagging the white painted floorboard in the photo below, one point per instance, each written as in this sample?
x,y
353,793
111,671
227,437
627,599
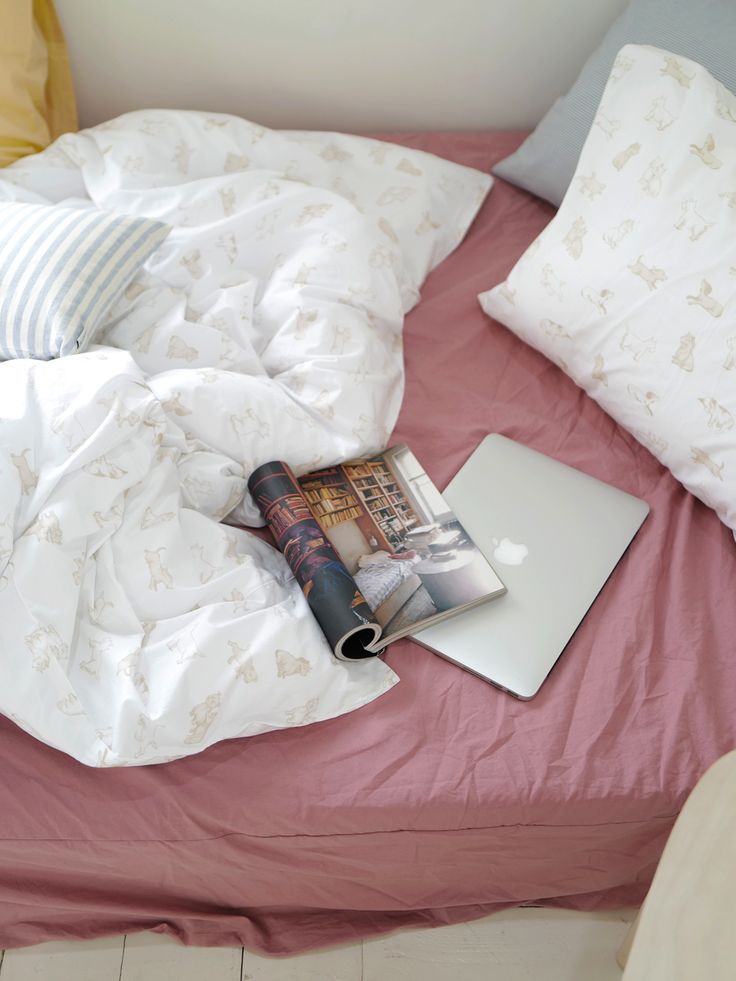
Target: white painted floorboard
x,y
89,960
516,945
154,957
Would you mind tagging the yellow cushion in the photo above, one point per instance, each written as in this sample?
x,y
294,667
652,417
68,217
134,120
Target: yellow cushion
x,y
36,93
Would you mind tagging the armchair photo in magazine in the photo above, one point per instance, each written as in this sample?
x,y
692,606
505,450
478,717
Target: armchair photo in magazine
x,y
375,548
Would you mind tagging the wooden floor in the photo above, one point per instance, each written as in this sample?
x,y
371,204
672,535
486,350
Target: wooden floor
x,y
517,945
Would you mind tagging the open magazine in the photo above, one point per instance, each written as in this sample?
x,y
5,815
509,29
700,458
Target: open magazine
x,y
375,548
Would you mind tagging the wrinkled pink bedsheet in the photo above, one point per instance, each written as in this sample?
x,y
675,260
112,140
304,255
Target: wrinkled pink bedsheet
x,y
446,798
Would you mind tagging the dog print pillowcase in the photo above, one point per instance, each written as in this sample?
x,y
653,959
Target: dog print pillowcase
x,y
631,288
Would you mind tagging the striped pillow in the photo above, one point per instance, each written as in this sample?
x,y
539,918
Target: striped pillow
x,y
61,269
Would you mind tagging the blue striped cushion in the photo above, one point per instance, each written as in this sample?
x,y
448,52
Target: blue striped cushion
x,y
60,271
702,30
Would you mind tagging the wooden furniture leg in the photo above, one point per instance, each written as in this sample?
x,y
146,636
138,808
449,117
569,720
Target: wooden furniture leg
x,y
686,929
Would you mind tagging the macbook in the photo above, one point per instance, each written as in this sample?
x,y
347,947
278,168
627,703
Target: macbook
x,y
554,535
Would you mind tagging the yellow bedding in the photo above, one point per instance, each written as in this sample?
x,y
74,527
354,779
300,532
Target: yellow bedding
x,y
36,93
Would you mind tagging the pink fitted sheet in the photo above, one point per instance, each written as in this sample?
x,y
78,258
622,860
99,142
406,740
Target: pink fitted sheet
x,y
444,799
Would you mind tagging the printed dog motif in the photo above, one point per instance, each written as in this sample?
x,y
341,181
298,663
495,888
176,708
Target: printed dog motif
x,y
303,714
303,319
621,65
705,460
98,606
192,263
598,373
322,404
235,162
287,664
128,667
623,157
683,356
238,600
303,274
159,575
229,246
145,734
227,199
730,363
382,257
234,497
78,569
730,197
394,195
182,155
674,69
388,230
653,443
142,343
332,152
378,152
150,519
69,705
341,336
312,212
407,167
651,180
340,186
507,293
96,647
692,221
176,406
554,330
28,476
659,114
267,224
706,154
102,467
607,125
211,569
46,528
615,236
573,241
719,418
248,423
599,298
645,399
638,347
184,651
245,668
551,282
116,406
180,350
426,225
45,644
705,300
652,275
590,186
724,110
202,716
113,514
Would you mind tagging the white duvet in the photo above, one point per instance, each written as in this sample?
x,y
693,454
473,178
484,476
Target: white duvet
x,y
136,626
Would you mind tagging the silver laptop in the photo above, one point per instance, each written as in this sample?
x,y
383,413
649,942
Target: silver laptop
x,y
554,535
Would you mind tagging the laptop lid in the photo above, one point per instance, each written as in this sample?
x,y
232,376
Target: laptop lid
x,y
554,535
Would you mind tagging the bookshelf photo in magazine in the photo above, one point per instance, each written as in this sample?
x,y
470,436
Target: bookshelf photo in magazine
x,y
375,548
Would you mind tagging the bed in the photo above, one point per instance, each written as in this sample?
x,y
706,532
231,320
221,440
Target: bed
x,y
444,799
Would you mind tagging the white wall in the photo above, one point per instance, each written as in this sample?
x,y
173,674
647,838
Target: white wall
x,y
334,64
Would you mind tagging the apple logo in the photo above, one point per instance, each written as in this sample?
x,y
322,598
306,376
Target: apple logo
x,y
508,552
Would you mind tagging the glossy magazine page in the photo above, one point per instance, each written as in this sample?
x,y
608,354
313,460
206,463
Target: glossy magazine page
x,y
341,611
375,547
